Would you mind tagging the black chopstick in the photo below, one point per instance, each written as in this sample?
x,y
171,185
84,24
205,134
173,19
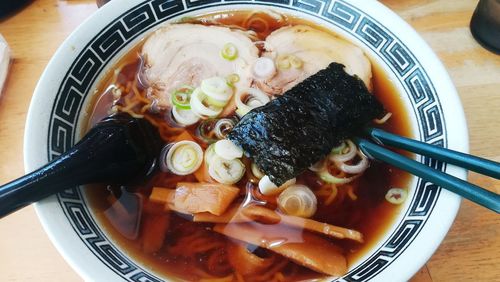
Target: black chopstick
x,y
477,164
463,188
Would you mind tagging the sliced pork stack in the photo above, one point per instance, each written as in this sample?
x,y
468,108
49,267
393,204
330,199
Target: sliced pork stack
x,y
301,51
185,54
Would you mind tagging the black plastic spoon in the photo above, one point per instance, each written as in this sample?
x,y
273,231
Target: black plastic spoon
x,y
118,150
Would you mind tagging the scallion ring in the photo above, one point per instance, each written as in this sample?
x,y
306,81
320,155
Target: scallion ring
x,y
199,108
216,103
339,149
217,89
343,155
396,196
209,153
227,150
254,98
296,62
184,117
184,157
267,187
229,51
327,177
264,68
163,157
298,200
256,171
181,97
242,111
282,62
225,171
204,131
319,166
360,167
232,79
223,126
286,61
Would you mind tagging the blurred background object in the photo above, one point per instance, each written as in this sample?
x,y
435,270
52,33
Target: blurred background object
x,y
485,24
10,6
4,62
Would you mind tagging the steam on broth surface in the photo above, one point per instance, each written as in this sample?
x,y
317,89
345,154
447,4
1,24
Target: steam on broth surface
x,y
216,215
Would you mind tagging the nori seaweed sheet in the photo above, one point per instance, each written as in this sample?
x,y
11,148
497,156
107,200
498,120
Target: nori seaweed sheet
x,y
299,128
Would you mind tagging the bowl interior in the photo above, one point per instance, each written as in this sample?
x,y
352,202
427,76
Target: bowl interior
x,y
58,114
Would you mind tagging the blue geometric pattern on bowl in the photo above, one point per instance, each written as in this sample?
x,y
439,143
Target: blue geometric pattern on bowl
x,y
131,24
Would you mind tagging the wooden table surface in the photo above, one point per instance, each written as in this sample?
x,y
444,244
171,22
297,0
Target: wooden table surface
x,y
471,250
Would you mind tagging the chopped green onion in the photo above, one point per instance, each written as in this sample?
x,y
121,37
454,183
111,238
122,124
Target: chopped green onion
x,y
223,127
264,68
283,63
209,153
356,168
242,111
286,61
396,196
267,187
184,117
214,102
232,79
227,150
199,108
254,98
339,149
225,171
296,62
298,200
181,97
213,130
229,51
320,165
344,155
217,88
256,171
204,131
184,157
327,177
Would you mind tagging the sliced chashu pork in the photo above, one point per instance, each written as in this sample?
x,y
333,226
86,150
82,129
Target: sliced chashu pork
x,y
316,49
185,54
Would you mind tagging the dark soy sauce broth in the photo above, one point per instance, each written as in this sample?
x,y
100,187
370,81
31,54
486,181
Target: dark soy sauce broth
x,y
370,213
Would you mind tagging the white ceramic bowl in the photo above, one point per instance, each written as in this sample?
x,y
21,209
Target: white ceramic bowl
x,y
64,90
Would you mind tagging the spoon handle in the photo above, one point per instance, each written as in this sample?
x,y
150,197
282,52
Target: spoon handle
x,y
52,178
116,151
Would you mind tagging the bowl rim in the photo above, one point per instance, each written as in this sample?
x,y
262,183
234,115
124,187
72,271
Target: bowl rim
x,y
447,204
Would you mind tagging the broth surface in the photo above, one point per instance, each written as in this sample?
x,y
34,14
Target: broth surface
x,y
366,211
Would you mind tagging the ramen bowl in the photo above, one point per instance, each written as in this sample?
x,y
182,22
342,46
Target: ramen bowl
x,y
59,109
